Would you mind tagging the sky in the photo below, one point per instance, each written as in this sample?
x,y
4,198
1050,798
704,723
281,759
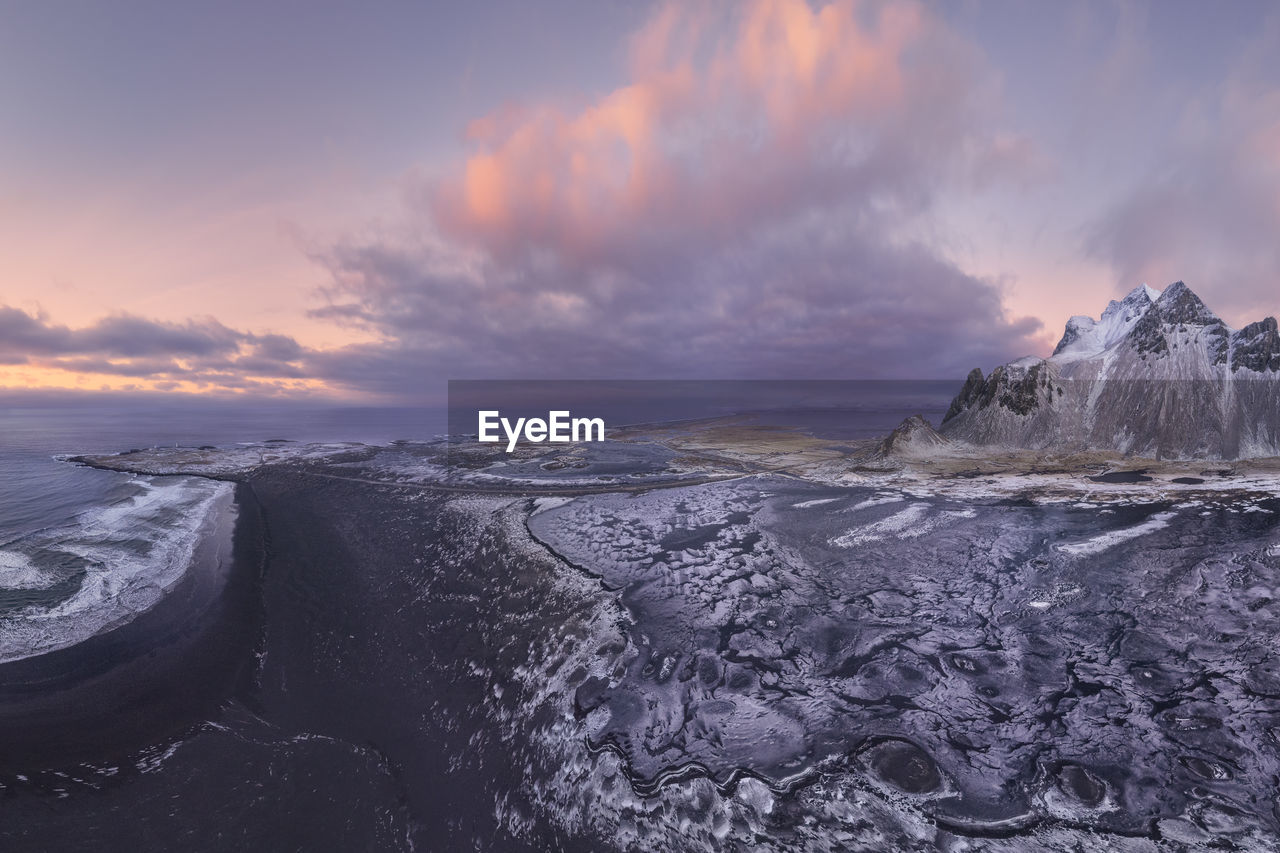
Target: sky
x,y
359,201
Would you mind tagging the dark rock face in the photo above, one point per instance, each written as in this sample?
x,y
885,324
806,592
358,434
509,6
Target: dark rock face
x,y
1018,391
1166,378
1257,347
1069,337
970,394
1022,395
1178,306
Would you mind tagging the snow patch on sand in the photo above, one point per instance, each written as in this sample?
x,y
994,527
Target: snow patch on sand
x,y
1111,538
815,502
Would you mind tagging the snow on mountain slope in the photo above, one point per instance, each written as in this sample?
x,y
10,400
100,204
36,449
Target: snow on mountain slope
x,y
1086,337
1159,374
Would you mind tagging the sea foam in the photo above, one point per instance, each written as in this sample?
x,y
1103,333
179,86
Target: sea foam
x,y
128,554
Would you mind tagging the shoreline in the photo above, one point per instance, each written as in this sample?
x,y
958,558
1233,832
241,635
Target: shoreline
x,y
722,454
151,676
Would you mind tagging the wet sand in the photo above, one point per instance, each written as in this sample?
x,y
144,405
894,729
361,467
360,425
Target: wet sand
x,y
377,606
323,700
149,677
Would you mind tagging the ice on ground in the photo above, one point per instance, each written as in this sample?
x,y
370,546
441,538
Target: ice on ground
x,y
545,503
879,500
814,502
904,524
1111,538
998,678
911,523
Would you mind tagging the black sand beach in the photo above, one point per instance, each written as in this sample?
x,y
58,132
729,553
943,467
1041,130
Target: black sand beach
x,y
319,699
150,677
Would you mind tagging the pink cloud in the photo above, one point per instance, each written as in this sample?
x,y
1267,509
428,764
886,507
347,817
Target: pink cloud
x,y
752,201
732,116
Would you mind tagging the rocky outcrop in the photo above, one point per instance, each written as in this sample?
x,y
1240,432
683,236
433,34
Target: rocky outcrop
x,y
915,436
1257,347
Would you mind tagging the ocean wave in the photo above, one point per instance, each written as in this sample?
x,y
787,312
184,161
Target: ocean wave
x,y
65,584
17,571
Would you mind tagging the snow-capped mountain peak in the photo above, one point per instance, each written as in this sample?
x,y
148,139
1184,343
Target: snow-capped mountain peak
x,y
1085,337
1158,374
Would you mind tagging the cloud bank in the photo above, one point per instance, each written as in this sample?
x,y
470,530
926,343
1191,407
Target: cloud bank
x,y
749,204
768,188
196,355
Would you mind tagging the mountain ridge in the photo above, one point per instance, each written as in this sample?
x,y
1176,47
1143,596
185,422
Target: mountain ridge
x,y
1159,375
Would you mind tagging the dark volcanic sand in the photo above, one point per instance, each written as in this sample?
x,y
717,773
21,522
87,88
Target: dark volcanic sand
x,y
153,676
340,709
376,609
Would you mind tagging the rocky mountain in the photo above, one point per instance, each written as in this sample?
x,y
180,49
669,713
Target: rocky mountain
x,y
1158,375
914,437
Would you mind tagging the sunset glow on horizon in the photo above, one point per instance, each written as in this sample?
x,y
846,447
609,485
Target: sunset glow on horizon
x,y
360,204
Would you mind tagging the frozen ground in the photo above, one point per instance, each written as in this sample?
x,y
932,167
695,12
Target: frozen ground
x,y
836,656
996,665
622,464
